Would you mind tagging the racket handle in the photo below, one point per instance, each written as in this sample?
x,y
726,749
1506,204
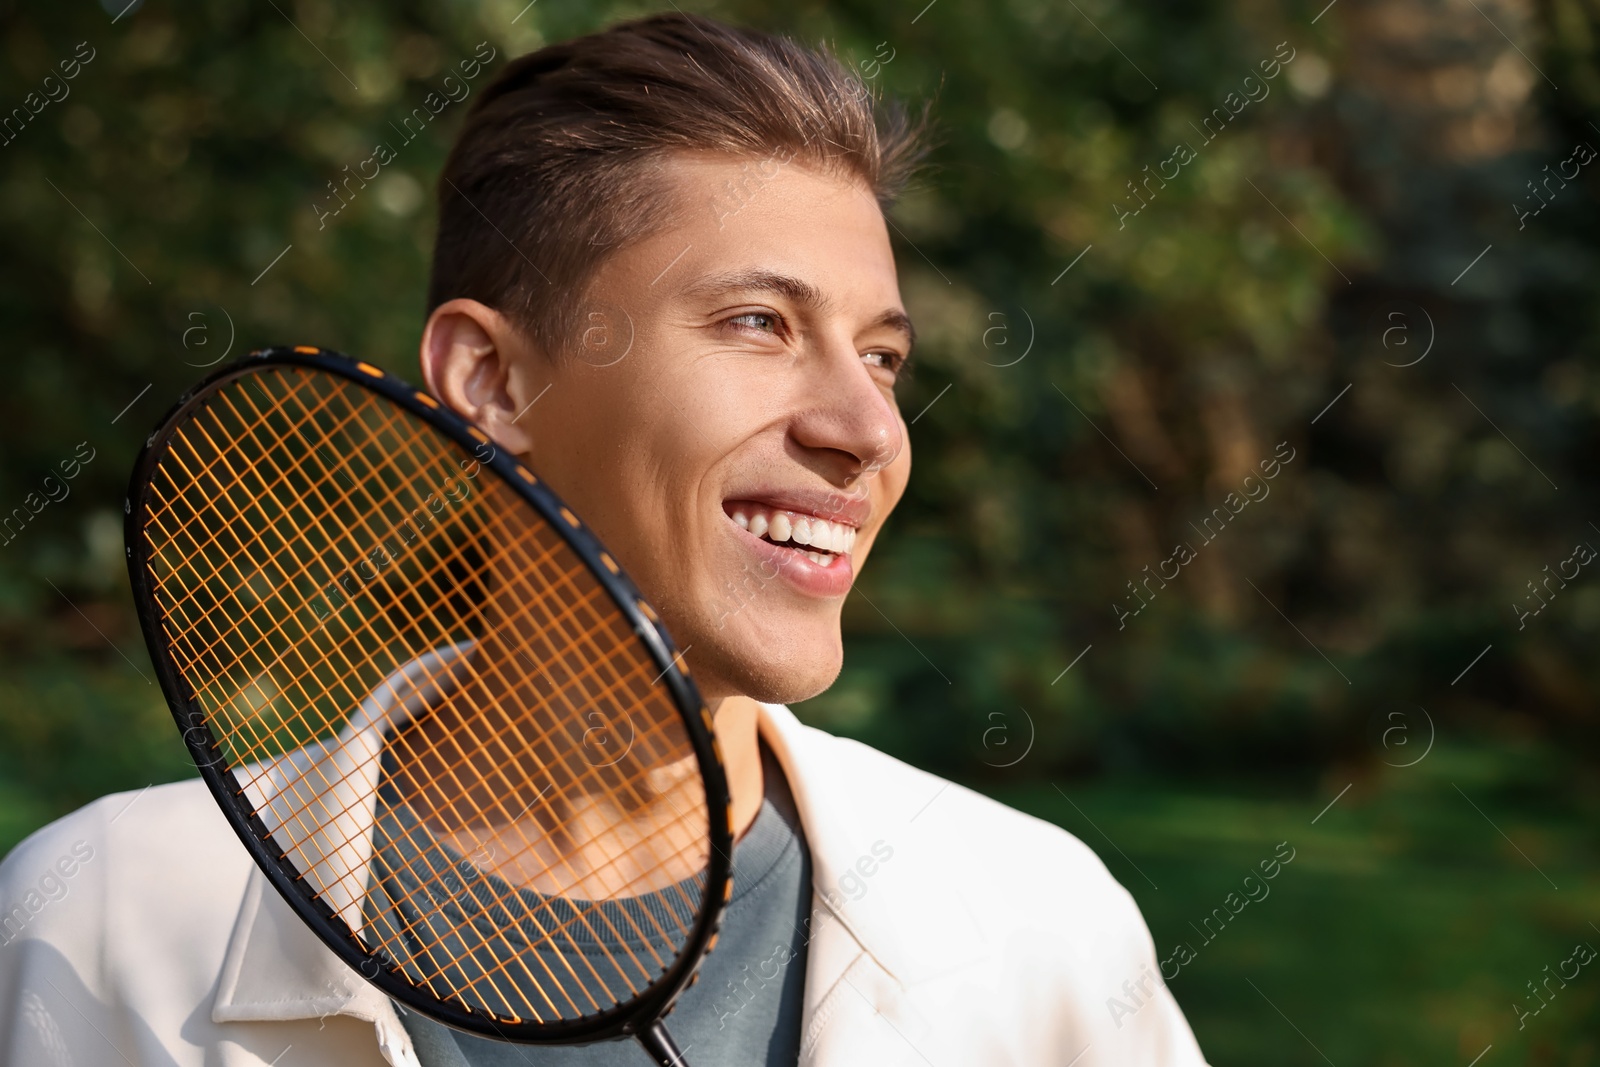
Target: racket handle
x,y
660,1045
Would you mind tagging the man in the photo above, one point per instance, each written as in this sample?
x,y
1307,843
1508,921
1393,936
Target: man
x,y
663,277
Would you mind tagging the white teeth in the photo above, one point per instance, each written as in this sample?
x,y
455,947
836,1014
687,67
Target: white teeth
x,y
826,539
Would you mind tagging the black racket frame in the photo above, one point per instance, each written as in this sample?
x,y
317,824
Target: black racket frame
x,y
639,1018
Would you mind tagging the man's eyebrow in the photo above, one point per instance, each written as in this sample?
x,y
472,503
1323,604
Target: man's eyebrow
x,y
895,319
761,280
795,289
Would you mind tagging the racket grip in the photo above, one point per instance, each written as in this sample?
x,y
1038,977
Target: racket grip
x,y
660,1045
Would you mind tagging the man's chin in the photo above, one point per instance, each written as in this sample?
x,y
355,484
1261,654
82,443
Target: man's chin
x,y
788,690
776,674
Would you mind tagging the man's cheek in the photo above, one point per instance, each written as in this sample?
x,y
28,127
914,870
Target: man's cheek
x,y
890,486
862,548
899,474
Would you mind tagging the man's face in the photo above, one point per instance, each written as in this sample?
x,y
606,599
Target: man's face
x,y
729,425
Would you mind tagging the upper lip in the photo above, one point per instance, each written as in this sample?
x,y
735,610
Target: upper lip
x,y
849,509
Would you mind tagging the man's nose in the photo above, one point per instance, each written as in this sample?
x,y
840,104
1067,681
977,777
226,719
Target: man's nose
x,y
847,413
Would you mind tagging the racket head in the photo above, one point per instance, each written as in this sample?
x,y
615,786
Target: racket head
x,y
269,507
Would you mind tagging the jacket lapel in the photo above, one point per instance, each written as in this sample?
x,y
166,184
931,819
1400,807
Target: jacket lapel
x,y
277,970
905,923
856,959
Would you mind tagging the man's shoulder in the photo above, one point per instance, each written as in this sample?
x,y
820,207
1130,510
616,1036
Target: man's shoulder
x,y
116,925
967,900
116,857
985,844
160,817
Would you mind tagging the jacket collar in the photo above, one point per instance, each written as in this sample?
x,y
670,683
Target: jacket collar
x,y
276,968
834,836
319,801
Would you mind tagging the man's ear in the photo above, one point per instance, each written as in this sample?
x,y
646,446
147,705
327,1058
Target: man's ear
x,y
478,363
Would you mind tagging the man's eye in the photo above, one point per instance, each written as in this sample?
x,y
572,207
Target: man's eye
x,y
757,320
890,361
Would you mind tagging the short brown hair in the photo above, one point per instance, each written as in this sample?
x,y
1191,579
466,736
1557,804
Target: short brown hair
x,y
556,157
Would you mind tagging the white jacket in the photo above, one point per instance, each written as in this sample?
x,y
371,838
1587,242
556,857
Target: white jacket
x,y
137,932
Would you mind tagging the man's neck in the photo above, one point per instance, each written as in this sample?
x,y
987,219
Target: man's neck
x,y
735,719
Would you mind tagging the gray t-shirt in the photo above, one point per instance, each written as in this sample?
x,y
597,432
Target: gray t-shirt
x,y
746,1007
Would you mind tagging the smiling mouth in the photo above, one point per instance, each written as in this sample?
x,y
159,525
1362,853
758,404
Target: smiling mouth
x,y
813,537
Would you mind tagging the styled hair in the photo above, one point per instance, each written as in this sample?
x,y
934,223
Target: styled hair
x,y
558,162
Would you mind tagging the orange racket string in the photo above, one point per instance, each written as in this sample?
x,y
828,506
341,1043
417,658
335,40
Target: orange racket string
x,y
639,667
380,509
305,865
582,915
221,452
652,731
314,487
508,783
512,822
344,566
645,876
598,655
221,703
199,654
306,381
266,488
625,682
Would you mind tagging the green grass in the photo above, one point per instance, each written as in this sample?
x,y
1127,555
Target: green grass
x,y
1401,933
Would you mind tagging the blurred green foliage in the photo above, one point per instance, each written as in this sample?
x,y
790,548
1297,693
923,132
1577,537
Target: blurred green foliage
x,y
1091,384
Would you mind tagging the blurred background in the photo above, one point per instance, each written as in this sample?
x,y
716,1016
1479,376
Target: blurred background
x,y
1095,604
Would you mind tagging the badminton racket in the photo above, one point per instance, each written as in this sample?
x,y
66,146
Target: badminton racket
x,y
443,721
